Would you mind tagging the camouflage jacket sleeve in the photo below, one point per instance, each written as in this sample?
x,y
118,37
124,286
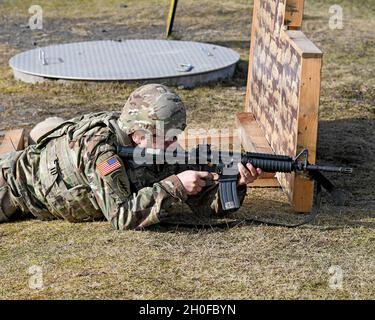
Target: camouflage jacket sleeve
x,y
127,209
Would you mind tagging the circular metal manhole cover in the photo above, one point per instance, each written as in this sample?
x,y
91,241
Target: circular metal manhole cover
x,y
174,62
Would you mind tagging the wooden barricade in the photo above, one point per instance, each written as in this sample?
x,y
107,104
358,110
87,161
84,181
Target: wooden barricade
x,y
283,91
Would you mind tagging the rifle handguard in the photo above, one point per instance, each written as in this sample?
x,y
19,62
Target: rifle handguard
x,y
269,165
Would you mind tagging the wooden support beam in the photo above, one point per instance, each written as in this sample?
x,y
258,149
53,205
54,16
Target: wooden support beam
x,y
304,46
253,140
265,183
190,141
302,198
13,141
293,14
252,136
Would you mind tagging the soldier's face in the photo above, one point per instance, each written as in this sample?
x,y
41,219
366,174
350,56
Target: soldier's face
x,y
151,139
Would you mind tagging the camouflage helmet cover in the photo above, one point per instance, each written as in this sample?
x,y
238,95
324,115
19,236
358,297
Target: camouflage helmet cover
x,y
149,104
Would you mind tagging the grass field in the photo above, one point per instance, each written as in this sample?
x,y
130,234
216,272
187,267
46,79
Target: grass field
x,y
91,261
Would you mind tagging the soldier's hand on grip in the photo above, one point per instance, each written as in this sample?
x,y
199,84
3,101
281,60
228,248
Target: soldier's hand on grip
x,y
194,181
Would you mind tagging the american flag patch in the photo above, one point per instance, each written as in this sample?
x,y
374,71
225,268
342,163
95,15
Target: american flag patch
x,y
108,166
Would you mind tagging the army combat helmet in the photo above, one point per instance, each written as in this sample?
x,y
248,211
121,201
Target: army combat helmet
x,y
150,104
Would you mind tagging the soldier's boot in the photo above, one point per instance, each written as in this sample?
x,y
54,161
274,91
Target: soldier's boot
x,y
7,208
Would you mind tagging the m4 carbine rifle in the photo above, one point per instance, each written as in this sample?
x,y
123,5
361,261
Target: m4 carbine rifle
x,y
202,158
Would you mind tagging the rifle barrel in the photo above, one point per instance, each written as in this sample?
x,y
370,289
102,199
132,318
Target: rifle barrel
x,y
313,167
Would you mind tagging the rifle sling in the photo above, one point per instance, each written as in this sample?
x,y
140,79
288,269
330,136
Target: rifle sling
x,y
227,225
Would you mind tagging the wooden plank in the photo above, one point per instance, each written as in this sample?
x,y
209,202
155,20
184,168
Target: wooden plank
x,y
13,141
248,128
293,14
265,183
245,125
189,141
171,16
269,175
251,53
305,47
307,129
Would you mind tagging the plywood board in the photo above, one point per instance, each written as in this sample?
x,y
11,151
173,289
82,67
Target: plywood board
x,y
253,140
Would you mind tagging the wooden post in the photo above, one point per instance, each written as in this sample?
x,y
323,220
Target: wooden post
x,y
293,14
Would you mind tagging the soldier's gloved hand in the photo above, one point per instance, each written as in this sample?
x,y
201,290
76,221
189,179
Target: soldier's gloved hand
x,y
194,181
248,174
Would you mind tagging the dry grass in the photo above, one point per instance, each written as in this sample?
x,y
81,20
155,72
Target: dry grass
x,y
92,261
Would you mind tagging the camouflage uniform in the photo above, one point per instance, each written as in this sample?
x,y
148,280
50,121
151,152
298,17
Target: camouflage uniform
x,y
62,176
